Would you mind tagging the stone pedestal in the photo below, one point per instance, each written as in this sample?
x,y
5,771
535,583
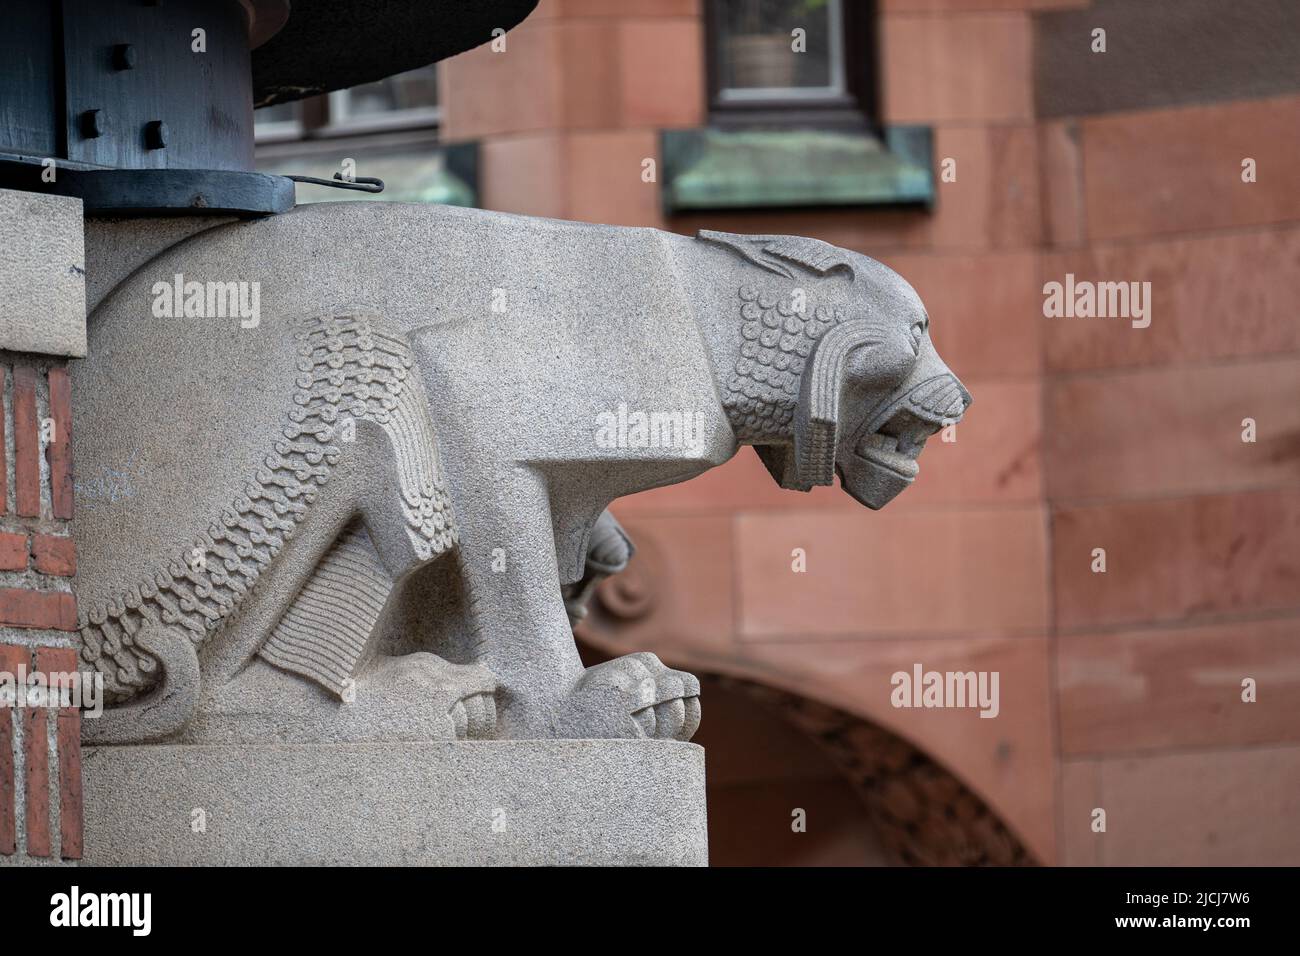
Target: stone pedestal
x,y
42,274
510,802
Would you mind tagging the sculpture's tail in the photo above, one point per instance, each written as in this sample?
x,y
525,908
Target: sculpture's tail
x,y
165,709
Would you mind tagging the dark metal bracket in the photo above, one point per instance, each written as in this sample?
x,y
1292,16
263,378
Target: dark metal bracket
x,y
154,192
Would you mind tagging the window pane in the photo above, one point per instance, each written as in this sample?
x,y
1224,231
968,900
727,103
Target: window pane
x,y
279,113
757,48
417,89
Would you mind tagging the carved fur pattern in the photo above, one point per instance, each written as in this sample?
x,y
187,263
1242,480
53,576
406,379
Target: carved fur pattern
x,y
763,389
777,253
346,368
323,634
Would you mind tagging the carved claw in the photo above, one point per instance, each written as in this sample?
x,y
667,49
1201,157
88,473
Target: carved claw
x,y
411,682
474,716
677,719
634,696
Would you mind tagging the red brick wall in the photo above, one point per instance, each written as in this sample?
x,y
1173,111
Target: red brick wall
x,y
36,546
37,610
47,820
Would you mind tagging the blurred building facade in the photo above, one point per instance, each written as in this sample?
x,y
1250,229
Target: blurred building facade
x,y
982,148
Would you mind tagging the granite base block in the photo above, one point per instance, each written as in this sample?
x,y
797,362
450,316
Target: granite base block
x,y
512,802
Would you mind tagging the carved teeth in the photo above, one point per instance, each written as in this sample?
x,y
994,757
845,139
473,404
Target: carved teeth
x,y
882,442
897,455
911,443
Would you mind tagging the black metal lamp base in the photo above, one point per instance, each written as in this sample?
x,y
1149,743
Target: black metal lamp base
x,y
145,107
154,192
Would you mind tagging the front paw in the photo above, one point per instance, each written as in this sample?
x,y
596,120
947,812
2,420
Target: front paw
x,y
474,715
633,696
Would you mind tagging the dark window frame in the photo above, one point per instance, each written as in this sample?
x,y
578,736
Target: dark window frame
x,y
317,120
855,109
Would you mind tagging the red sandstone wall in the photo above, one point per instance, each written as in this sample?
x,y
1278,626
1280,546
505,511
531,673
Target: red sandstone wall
x,y
1121,690
1143,456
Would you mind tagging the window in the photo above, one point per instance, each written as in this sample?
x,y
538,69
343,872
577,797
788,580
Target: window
x,y
386,130
397,102
784,62
282,121
406,99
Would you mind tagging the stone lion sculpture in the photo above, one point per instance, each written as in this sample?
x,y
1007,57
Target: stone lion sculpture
x,y
356,514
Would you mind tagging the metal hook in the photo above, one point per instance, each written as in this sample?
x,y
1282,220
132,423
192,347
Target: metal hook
x,y
368,184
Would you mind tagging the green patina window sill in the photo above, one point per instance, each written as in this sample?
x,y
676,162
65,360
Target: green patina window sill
x,y
753,169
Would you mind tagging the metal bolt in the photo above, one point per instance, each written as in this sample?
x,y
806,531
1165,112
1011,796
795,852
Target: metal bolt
x,y
155,134
90,125
124,57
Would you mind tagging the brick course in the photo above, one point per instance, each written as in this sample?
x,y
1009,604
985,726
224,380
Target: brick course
x,y
30,827
13,551
54,555
27,443
38,556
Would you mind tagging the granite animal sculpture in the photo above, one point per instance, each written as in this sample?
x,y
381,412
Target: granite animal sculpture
x,y
358,517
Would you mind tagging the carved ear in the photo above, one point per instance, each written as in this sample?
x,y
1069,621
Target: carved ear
x,y
817,419
778,253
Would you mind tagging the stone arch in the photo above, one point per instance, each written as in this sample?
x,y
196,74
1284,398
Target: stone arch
x,y
923,814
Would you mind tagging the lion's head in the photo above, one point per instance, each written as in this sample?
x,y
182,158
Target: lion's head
x,y
836,371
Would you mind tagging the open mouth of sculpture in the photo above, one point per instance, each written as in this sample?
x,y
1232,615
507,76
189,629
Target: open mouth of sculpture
x,y
896,445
